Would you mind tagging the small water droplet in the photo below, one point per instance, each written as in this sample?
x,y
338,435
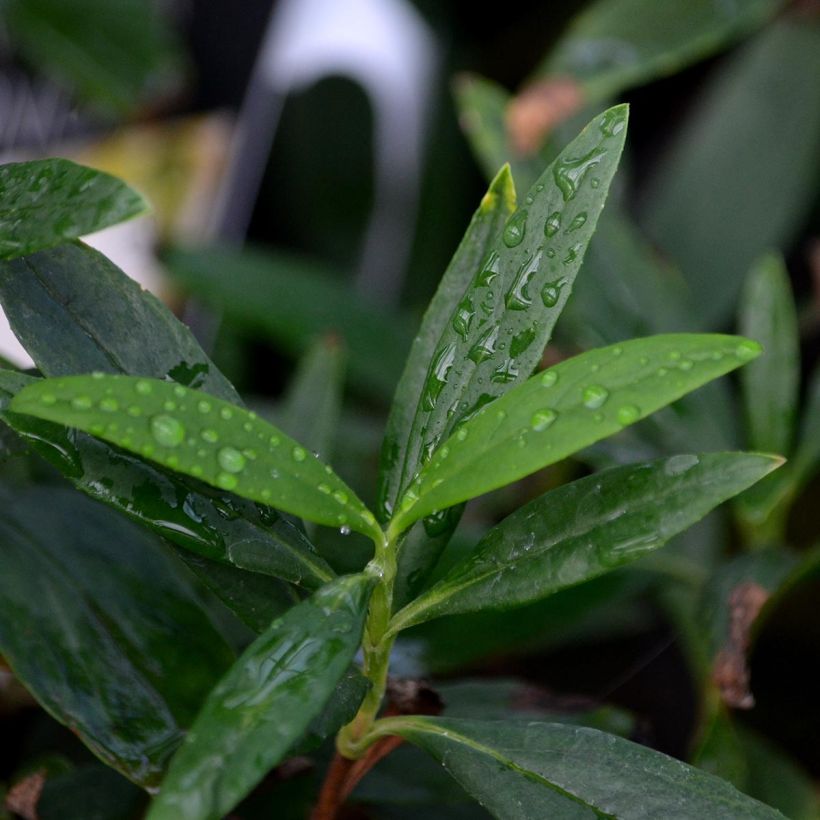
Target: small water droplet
x,y
572,254
613,122
273,441
249,454
209,435
134,411
324,489
686,364
109,404
489,270
204,406
594,396
48,399
231,460
248,427
578,222
505,373
518,296
628,413
551,292
143,387
179,392
167,431
226,413
553,224
169,405
439,373
542,419
97,374
747,349
521,341
662,371
227,481
81,403
344,529
515,228
461,434
340,496
299,454
569,173
617,351
465,313
485,346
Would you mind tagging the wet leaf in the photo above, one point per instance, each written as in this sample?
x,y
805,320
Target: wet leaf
x,y
564,409
265,703
520,770
49,202
585,529
104,628
201,436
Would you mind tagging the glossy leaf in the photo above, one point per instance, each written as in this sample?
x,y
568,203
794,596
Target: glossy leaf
x,y
49,202
586,528
770,384
520,770
617,44
216,527
265,703
116,56
564,409
103,627
291,301
720,198
198,435
501,318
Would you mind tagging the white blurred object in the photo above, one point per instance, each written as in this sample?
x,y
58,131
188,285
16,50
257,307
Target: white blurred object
x,y
384,46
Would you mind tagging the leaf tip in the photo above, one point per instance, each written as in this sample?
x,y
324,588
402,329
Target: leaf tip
x,y
501,192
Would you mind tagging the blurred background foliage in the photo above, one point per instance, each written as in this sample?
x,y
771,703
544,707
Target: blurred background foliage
x,y
307,202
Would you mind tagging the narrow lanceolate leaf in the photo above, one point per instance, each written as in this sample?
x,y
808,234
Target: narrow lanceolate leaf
x,y
770,385
104,628
218,527
586,528
265,703
564,409
521,770
49,202
198,435
504,313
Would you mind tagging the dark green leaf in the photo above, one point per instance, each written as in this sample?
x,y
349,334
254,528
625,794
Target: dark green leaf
x,y
564,409
723,195
265,703
90,793
198,435
585,529
49,202
103,628
291,302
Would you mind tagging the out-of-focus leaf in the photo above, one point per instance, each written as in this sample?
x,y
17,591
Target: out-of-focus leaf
x,y
770,384
103,628
291,301
807,450
49,202
564,409
723,195
265,703
209,439
89,793
116,56
585,529
617,44
520,770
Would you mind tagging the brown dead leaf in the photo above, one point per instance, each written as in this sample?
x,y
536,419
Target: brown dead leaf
x,y
24,796
538,109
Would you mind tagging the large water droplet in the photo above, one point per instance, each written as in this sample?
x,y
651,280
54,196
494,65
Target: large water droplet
x,y
485,346
551,292
515,228
518,297
438,376
231,460
227,481
570,173
465,313
299,454
578,222
521,341
594,396
505,373
489,270
542,419
553,224
167,431
628,414
549,378
613,122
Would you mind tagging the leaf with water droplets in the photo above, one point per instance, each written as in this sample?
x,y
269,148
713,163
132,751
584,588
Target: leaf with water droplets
x,y
592,396
49,202
201,436
586,528
265,703
520,770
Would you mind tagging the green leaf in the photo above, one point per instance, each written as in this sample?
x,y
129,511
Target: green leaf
x,y
521,770
292,301
770,384
116,56
265,703
501,316
719,198
564,409
217,527
614,45
586,528
103,627
49,202
201,436
90,793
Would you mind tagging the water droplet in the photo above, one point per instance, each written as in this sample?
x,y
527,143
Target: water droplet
x,y
134,411
617,351
613,122
169,405
265,493
550,253
299,454
594,396
231,460
572,254
248,427
570,173
747,349
249,454
644,360
485,346
109,404
551,292
204,406
81,403
548,378
542,419
444,452
578,222
489,270
686,364
273,441
167,431
324,489
515,228
662,371
226,413
500,415
340,496
97,374
465,313
48,399
553,224
518,297
521,341
209,435
143,387
197,470
628,413
461,434
677,465
505,373
274,473
594,182
227,481
179,392
344,529
439,373
147,450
